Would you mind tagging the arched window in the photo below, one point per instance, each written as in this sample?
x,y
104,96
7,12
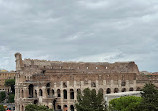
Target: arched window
x,y
116,90
71,108
71,94
101,90
58,92
65,93
131,89
93,84
78,91
64,84
40,92
48,92
58,107
35,102
124,90
48,89
108,91
48,85
31,91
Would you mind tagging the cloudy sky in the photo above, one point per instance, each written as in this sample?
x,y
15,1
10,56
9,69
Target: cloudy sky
x,y
80,30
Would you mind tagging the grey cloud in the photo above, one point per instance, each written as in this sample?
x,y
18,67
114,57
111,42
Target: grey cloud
x,y
82,30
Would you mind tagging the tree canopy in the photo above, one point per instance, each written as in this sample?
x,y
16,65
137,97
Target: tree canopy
x,y
2,96
125,103
90,101
11,98
149,98
33,107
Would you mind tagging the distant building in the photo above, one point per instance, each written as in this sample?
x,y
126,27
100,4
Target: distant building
x,y
4,74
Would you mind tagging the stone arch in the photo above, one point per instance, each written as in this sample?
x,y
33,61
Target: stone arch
x,y
72,108
58,93
40,92
48,89
58,107
48,92
123,90
65,94
78,91
31,87
48,85
116,90
131,89
108,91
101,90
138,89
93,84
71,94
65,108
35,102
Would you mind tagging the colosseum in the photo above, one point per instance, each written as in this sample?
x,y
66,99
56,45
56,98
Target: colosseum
x,y
55,83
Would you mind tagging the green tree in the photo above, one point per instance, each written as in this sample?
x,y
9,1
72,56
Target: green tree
x,y
125,103
2,108
11,98
90,101
33,107
149,98
10,83
2,96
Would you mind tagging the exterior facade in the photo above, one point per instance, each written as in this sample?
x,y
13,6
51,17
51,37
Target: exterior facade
x,y
55,83
3,76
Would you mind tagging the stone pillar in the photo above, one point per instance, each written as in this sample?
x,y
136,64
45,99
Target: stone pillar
x,y
97,85
104,82
26,92
55,90
119,83
134,84
44,92
75,94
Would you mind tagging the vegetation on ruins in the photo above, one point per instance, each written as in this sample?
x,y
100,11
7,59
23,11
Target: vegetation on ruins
x,y
10,83
89,100
2,96
2,108
125,103
33,107
149,98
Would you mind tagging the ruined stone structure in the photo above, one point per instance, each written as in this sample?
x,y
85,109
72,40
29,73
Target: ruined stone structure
x,y
55,84
4,75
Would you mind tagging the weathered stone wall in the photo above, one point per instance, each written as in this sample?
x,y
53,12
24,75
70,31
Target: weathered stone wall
x,y
55,83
